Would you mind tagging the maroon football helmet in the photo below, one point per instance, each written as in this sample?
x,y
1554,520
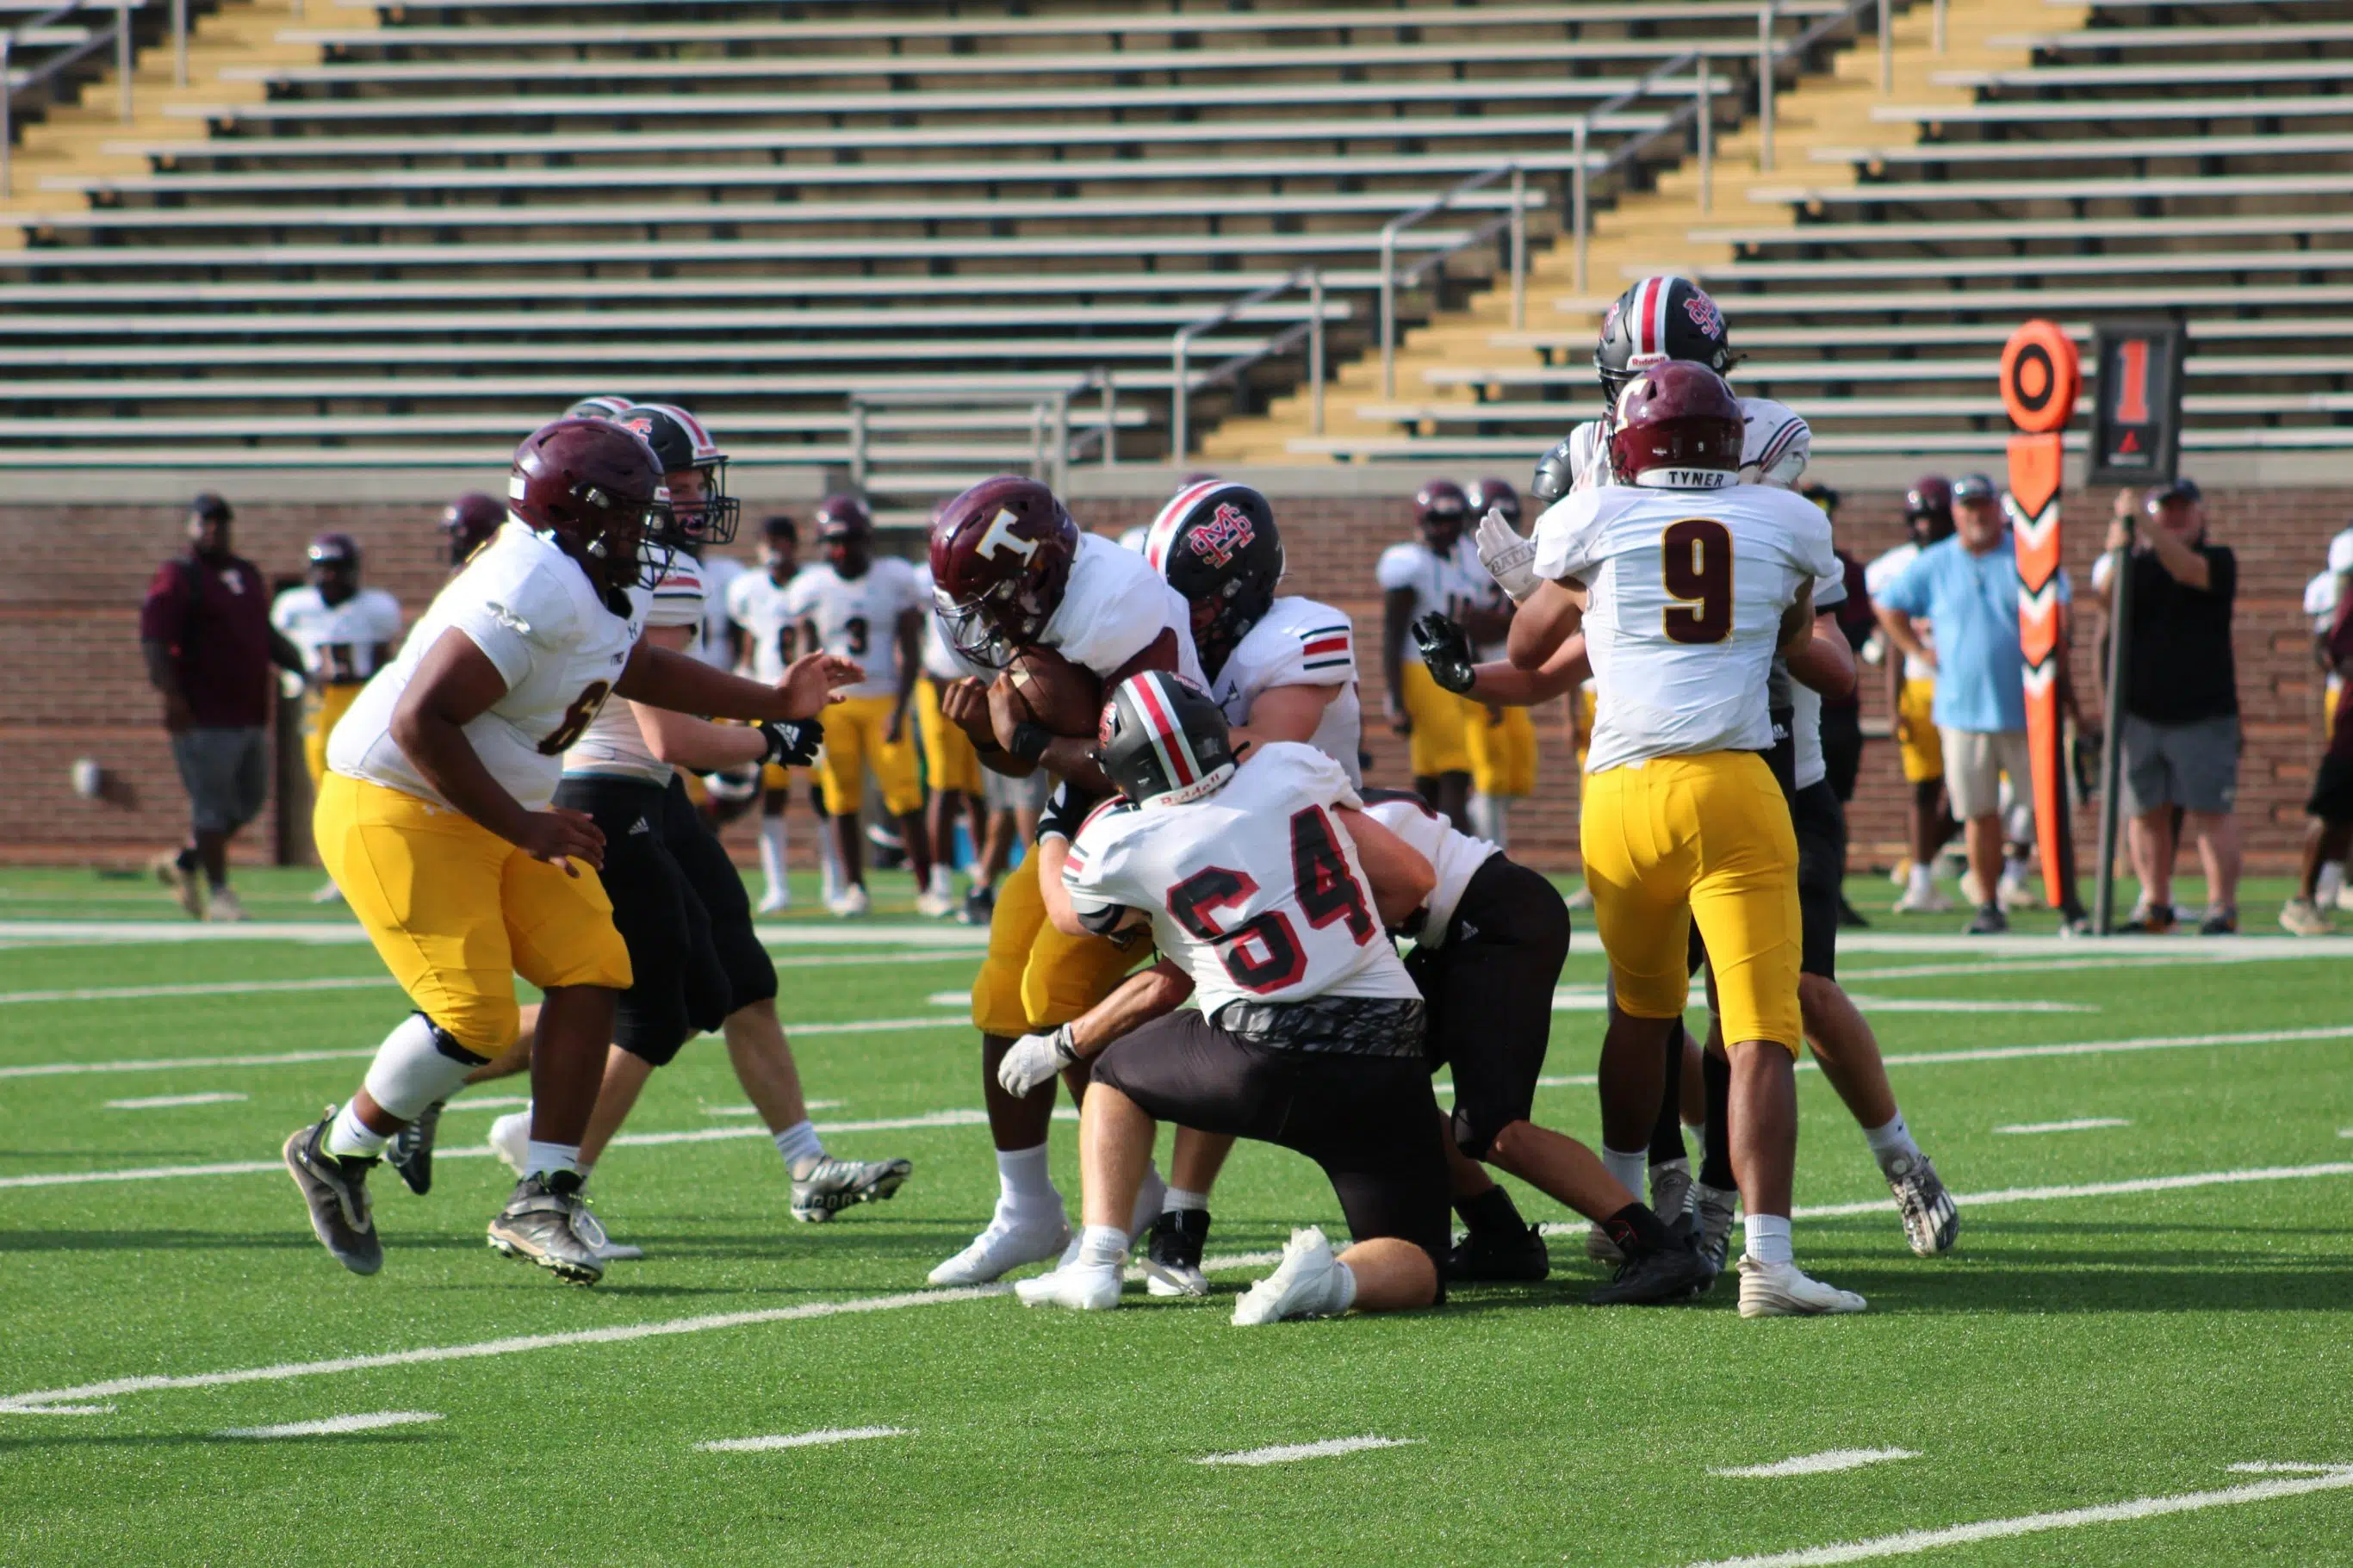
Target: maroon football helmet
x,y
1488,495
1001,556
467,523
598,485
1443,511
1928,507
1679,428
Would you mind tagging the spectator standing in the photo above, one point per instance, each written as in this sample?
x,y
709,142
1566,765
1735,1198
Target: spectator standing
x,y
2180,731
204,632
1968,588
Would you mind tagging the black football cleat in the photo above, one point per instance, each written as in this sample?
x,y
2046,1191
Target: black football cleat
x,y
1499,1257
410,1152
541,1224
335,1188
1671,1275
1172,1262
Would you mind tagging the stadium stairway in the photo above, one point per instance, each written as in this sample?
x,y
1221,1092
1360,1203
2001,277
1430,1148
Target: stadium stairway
x,y
1663,229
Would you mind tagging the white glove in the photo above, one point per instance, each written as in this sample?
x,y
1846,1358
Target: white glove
x,y
1034,1059
1507,555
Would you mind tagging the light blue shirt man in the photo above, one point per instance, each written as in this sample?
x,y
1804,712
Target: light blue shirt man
x,y
1972,600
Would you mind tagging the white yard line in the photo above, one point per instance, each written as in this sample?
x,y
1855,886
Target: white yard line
x,y
1911,1543
2105,1047
2056,965
161,1101
1284,1453
486,1102
2080,1124
1961,1004
334,1425
2089,1189
1820,1464
845,933
801,1439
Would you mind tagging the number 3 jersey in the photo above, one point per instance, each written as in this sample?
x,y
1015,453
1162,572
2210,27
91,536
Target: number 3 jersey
x,y
555,642
1687,591
1255,890
857,617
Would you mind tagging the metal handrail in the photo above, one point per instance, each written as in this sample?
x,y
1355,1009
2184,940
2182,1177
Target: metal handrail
x,y
41,77
1180,347
1515,216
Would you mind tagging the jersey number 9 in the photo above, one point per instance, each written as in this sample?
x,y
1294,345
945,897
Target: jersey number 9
x,y
576,719
1695,558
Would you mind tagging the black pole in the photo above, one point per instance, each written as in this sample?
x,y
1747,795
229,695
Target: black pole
x,y
2111,731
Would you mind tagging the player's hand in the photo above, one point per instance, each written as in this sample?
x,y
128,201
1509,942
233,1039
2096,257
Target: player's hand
x,y
177,715
809,683
794,744
1035,1059
1400,721
560,836
1445,652
896,730
1506,556
965,704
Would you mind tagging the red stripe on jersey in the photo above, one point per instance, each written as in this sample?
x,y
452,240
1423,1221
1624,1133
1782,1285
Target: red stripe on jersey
x,y
1327,644
1170,735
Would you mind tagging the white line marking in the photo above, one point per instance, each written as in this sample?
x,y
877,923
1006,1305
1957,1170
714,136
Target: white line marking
x,y
60,1410
2054,966
2102,1048
2080,1124
1912,1542
159,1101
487,1102
2168,947
1282,1453
618,1334
2087,1189
1957,1005
344,934
1820,1464
802,1440
203,988
950,998
753,1109
335,1425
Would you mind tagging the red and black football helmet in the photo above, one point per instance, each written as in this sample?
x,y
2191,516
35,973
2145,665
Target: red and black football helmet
x,y
1928,507
1493,495
1555,473
1164,741
604,405
1001,557
685,448
467,523
1661,317
600,486
1442,511
1677,428
1216,543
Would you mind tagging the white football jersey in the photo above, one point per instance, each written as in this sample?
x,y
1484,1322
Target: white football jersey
x,y
1221,878
1453,854
1877,576
1440,582
941,660
613,746
557,644
338,641
1687,591
756,602
1113,608
1299,642
719,574
2319,600
857,617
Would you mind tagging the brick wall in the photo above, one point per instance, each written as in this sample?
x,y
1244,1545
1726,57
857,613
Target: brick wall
x,y
71,686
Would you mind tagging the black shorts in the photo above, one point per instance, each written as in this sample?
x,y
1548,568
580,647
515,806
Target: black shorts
x,y
1490,988
687,955
1821,823
1370,1121
1842,748
2332,787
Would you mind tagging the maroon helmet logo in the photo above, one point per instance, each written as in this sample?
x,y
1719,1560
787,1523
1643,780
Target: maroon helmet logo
x,y
1225,531
1705,315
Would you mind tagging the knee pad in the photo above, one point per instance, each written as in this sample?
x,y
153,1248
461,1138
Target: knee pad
x,y
418,1064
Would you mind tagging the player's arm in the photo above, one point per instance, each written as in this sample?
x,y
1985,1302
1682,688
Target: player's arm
x,y
1547,618
1397,616
1401,875
1072,757
286,656
665,678
1826,664
910,633
1151,994
1505,685
1798,623
1284,713
1053,853
685,741
1897,625
455,684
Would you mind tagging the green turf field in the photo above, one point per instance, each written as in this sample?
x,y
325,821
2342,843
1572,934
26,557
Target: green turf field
x,y
2105,1364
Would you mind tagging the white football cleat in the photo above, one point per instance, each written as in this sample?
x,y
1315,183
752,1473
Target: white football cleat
x,y
2016,895
590,1229
1308,1283
511,1139
1932,902
1006,1245
221,907
1784,1290
2302,917
851,902
775,901
1077,1286
1580,900
328,894
934,905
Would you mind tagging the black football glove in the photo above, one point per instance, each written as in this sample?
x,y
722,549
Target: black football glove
x,y
794,744
1445,652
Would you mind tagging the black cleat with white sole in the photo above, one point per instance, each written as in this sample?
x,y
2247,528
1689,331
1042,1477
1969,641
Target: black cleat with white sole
x,y
410,1152
541,1224
1499,1257
1172,1262
335,1188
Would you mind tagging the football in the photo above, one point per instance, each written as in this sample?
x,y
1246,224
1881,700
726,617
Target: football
x,y
1054,694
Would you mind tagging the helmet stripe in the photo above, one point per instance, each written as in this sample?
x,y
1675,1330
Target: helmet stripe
x,y
1167,735
1163,532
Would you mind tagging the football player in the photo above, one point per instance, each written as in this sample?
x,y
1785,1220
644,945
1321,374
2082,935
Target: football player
x,y
1687,585
860,605
1013,571
437,820
1418,578
1500,738
1912,696
951,766
346,633
1309,1031
756,603
467,523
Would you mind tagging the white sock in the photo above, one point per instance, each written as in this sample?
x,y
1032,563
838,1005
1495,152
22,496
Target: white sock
x,y
1344,1280
1481,812
1922,883
1632,1170
1102,1247
942,878
586,1168
772,854
1151,1199
545,1159
1023,1181
1180,1200
347,1134
411,1072
1891,1143
1768,1237
829,860
2016,871
800,1145
2331,880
